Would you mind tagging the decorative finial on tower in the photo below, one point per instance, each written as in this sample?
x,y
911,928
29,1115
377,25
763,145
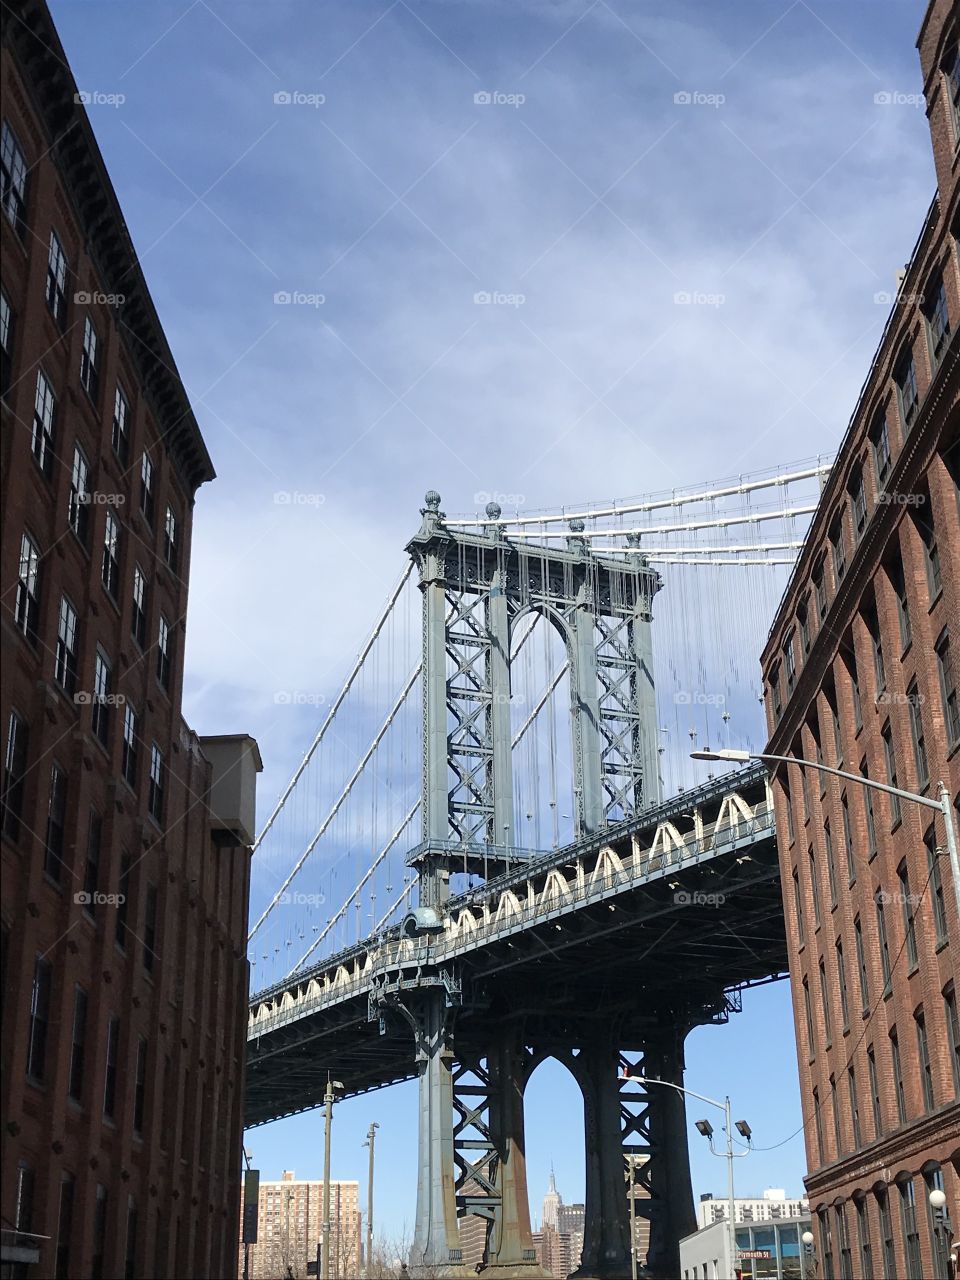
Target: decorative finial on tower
x,y
577,526
576,541
432,499
493,510
633,539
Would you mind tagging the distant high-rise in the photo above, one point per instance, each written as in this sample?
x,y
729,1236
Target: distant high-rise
x,y
552,1203
560,1241
290,1229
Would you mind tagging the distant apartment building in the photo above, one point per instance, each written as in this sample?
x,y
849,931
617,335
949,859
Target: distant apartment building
x,y
290,1230
773,1205
862,674
125,837
763,1251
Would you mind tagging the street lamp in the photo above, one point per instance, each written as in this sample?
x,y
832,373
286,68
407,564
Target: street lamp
x,y
942,804
809,1258
705,1128
328,1099
942,1230
371,1137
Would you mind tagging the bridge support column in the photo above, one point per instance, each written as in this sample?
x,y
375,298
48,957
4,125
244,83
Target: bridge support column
x,y
606,1229
510,1251
436,1239
673,1215
588,802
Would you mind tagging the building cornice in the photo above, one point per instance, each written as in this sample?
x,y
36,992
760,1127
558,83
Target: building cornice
x,y
30,35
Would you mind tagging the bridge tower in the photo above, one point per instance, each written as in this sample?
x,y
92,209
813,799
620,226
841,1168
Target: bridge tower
x,y
476,587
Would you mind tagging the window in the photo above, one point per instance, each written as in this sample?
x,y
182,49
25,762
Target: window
x,y
820,590
140,1088
937,318
870,816
897,1076
6,343
911,1235
54,846
842,982
65,1228
923,1052
56,291
23,1216
831,863
91,870
835,1107
775,690
830,692
948,689
825,1002
858,503
848,839
897,581
843,1241
936,1223
110,1069
839,549
13,179
854,1108
123,903
936,885
815,887
914,699
157,783
875,1093
923,522
89,360
163,653
906,906
110,569
908,397
129,1266
808,1010
150,929
876,644
65,662
129,762
863,1236
803,620
882,939
77,1045
953,1032
27,607
39,1019
826,1241
146,488
170,543
818,1117
14,771
861,964
886,1232
789,663
798,906
951,71
99,1233
44,421
101,698
891,763
121,428
139,627
78,512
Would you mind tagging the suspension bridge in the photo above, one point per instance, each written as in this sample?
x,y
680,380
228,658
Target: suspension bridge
x,y
505,772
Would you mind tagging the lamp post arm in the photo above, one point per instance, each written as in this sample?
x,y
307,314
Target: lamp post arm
x,y
853,777
680,1089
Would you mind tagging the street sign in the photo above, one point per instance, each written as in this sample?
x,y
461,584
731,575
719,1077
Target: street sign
x,y
251,1205
754,1253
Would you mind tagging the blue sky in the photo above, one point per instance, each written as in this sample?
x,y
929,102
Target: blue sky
x,y
583,186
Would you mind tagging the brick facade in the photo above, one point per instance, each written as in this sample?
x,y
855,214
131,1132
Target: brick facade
x,y
862,672
124,902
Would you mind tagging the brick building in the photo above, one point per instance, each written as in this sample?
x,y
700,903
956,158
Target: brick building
x,y
290,1229
124,859
861,673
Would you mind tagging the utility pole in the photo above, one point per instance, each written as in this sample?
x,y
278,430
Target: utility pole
x,y
371,1135
327,1125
